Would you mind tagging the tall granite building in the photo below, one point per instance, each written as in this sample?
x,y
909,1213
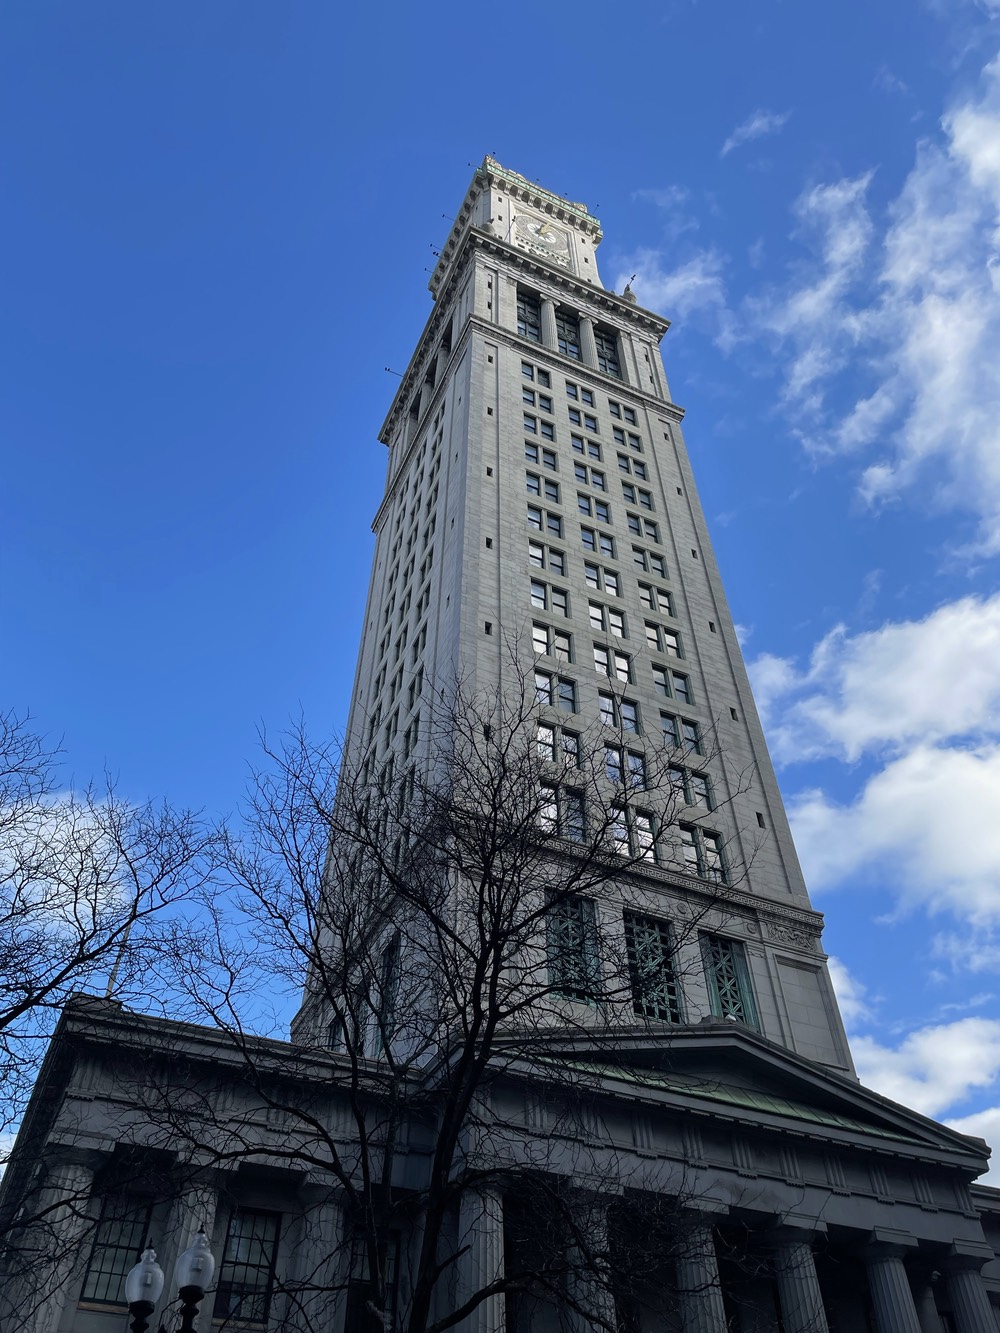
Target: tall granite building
x,y
541,540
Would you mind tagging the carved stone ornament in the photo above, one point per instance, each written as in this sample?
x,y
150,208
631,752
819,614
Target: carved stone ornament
x,y
785,933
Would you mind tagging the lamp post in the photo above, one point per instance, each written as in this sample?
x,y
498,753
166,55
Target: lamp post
x,y
143,1288
193,1274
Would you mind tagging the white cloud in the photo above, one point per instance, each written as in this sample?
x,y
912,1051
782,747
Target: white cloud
x,y
927,822
850,992
678,292
934,1068
903,321
756,126
924,681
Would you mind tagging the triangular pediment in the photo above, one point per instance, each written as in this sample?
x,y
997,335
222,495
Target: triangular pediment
x,y
728,1071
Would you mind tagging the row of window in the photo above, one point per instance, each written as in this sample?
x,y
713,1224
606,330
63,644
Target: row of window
x,y
622,714
574,957
586,504
593,540
244,1279
537,375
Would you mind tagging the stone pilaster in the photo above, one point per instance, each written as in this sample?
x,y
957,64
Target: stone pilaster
x,y
699,1290
191,1212
480,1234
892,1299
798,1285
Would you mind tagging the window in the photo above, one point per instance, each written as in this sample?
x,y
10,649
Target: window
x,y
700,791
555,744
246,1274
361,1315
542,486
656,599
633,466
590,476
643,527
636,770
534,454
599,509
621,713
539,595
566,695
589,448
545,521
611,663
578,394
656,992
728,978
598,541
601,579
671,730
571,946
530,424
546,557
613,769
529,318
607,352
568,334
636,495
119,1241
650,562
544,403
552,642
616,623
663,640
672,684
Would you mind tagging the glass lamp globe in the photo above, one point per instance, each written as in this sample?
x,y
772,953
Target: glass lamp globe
x,y
196,1265
145,1281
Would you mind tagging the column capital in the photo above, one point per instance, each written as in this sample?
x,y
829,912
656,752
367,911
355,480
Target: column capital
x,y
967,1256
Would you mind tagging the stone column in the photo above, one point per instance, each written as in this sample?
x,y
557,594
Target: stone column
x,y
64,1237
892,1300
191,1212
549,338
590,1264
927,1311
320,1265
480,1234
588,347
798,1285
699,1290
970,1305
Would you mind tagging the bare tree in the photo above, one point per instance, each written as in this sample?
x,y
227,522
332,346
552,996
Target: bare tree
x,y
98,894
445,907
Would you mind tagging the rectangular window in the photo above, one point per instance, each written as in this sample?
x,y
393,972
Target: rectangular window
x,y
543,687
616,623
671,734
700,791
613,770
607,352
560,601
596,615
643,836
540,639
527,369
535,519
571,749
681,686
588,448
629,716
656,992
608,710
119,1241
572,949
568,334
567,695
534,454
539,595
546,742
549,433
246,1274
361,1316
529,318
530,424
636,770
544,403
691,736
728,978
536,553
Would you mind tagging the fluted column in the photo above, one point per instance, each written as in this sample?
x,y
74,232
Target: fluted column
x,y
699,1290
892,1300
798,1285
62,1237
191,1212
588,346
970,1304
549,338
480,1234
590,1264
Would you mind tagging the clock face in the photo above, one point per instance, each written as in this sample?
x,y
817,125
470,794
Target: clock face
x,y
543,238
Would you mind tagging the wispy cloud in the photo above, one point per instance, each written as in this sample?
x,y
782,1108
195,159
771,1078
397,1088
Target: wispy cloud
x,y
756,126
889,334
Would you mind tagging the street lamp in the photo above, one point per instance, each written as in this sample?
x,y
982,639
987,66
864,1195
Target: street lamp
x,y
193,1274
143,1288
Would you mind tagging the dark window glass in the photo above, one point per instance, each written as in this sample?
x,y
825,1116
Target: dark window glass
x,y
529,318
571,942
655,990
568,334
119,1241
246,1274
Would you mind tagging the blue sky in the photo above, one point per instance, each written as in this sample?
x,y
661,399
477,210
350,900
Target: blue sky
x,y
217,220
